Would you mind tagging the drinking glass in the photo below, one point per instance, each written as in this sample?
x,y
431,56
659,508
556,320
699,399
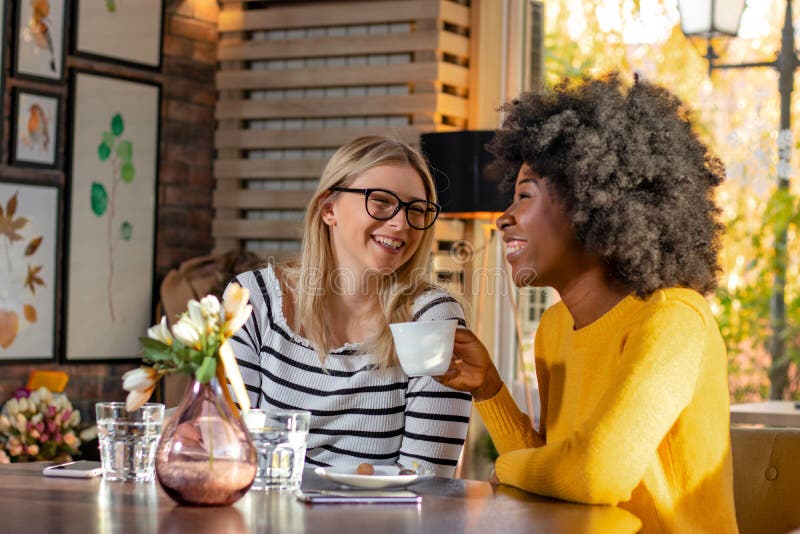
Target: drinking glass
x,y
280,438
128,440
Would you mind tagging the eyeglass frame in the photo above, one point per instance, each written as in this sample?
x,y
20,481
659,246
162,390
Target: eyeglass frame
x,y
401,204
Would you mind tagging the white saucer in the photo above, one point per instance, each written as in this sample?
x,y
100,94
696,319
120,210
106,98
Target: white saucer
x,y
386,476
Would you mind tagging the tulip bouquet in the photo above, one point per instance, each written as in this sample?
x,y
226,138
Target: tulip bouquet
x,y
38,425
196,345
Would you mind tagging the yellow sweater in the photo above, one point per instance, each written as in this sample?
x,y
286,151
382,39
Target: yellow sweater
x,y
634,413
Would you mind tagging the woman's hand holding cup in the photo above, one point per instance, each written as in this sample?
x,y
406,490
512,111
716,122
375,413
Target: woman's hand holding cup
x,y
471,368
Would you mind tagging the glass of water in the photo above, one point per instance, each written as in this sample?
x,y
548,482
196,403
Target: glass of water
x,y
128,440
280,438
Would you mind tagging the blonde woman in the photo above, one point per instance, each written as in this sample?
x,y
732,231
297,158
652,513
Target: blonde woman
x,y
319,339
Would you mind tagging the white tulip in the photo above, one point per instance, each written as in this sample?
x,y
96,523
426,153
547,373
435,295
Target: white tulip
x,y
140,384
21,423
235,323
160,332
12,406
88,434
136,399
234,299
139,379
237,310
210,306
186,332
62,402
195,315
74,419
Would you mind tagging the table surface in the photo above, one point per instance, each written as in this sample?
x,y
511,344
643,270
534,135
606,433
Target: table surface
x,y
32,503
769,413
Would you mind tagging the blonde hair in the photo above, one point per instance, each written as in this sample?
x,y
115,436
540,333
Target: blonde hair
x,y
312,276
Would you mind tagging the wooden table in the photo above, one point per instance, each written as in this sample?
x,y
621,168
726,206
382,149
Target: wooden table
x,y
31,503
769,413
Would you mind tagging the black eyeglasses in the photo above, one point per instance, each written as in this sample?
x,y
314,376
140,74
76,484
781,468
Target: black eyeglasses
x,y
383,205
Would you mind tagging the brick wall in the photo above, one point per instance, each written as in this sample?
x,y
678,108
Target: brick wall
x,y
185,174
187,132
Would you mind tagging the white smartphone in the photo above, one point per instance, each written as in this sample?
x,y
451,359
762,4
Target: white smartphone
x,y
78,469
358,497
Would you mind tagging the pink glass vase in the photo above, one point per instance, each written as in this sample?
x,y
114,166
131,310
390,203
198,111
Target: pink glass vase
x,y
205,457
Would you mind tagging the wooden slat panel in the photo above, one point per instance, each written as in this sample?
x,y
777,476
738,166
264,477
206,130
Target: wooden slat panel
x,y
223,245
428,42
307,138
455,44
265,169
453,75
457,14
256,229
343,76
331,46
447,42
262,199
421,103
337,14
326,107
454,106
322,77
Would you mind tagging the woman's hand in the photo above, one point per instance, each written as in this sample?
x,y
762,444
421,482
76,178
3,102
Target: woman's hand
x,y
471,368
493,480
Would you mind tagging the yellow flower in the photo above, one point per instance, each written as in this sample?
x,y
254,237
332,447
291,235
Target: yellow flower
x,y
237,310
140,384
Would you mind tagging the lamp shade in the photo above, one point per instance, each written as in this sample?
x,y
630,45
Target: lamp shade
x,y
710,18
458,163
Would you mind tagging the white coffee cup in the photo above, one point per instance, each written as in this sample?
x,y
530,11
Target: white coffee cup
x,y
424,348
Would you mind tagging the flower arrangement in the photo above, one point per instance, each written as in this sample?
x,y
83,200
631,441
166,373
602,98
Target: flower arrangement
x,y
196,345
38,425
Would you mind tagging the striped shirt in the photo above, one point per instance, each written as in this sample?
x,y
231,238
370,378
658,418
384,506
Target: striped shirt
x,y
359,413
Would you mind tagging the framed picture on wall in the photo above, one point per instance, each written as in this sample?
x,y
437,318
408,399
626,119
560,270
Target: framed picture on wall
x,y
28,267
2,66
35,126
40,39
112,212
120,31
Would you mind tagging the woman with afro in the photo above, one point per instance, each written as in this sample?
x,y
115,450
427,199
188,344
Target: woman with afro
x,y
613,207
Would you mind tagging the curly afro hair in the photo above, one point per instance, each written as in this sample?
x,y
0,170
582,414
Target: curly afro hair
x,y
633,177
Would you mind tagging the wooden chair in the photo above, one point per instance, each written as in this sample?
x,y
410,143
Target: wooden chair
x,y
766,475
